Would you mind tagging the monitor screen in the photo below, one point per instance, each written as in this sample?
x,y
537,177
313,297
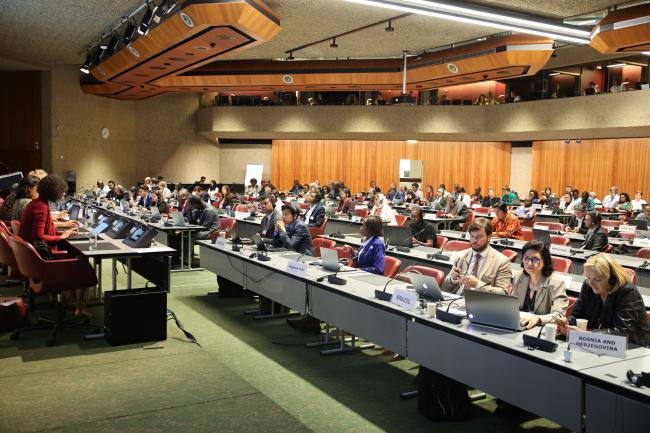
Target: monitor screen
x,y
100,228
118,225
137,234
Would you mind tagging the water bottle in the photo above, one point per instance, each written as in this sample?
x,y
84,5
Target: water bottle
x,y
92,241
228,210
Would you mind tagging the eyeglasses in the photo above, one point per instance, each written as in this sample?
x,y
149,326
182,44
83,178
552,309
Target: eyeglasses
x,y
532,260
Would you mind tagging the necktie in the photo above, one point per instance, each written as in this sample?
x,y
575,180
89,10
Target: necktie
x,y
477,260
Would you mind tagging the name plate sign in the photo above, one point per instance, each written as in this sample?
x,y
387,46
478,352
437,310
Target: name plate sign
x,y
405,299
297,268
600,344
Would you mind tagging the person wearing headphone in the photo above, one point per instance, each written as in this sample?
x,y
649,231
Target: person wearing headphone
x,y
291,233
610,302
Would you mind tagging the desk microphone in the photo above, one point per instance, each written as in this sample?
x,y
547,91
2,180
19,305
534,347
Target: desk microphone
x,y
381,294
337,235
539,343
439,255
644,264
638,379
448,317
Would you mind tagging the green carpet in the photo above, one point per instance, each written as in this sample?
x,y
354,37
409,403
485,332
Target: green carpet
x,y
248,376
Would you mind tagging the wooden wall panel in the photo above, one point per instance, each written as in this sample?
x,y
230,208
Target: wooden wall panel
x,y
20,121
593,165
485,164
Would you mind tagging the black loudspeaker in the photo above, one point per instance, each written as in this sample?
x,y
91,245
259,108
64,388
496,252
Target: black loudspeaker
x,y
135,316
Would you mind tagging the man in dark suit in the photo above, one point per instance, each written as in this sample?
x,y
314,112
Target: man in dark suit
x,y
456,208
292,234
490,200
202,215
577,220
596,237
315,216
271,216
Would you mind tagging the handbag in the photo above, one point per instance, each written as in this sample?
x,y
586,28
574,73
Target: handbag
x,y
43,250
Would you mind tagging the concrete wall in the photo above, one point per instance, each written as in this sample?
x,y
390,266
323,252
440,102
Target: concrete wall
x,y
521,162
234,157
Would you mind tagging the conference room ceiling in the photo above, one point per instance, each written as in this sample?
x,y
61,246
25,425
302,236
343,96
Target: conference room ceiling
x,y
37,33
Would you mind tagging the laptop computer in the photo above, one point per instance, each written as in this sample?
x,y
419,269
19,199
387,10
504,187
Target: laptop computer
x,y
542,235
261,246
177,219
428,287
329,259
640,224
494,310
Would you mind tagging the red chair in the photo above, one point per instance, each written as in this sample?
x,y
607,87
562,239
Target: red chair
x,y
401,219
15,226
528,223
304,206
601,209
528,234
560,240
457,246
511,255
442,241
363,213
4,226
215,204
226,224
644,253
572,304
52,277
391,266
343,254
561,264
609,248
242,208
485,210
7,257
611,223
319,243
551,226
470,218
318,231
628,235
424,270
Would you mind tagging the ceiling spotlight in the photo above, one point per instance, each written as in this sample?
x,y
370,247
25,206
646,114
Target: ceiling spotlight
x,y
552,74
85,68
145,24
333,44
616,65
129,33
168,6
567,141
390,27
112,45
578,140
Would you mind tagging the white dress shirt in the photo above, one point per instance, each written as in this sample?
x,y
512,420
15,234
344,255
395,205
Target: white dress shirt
x,y
470,270
637,204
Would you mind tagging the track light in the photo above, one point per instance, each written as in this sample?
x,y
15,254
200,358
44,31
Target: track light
x,y
85,68
129,33
485,17
333,44
390,28
112,45
168,6
567,141
578,140
145,24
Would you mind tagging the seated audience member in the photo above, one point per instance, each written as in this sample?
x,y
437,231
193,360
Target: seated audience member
x,y
505,224
594,197
490,200
392,191
101,190
147,184
477,194
423,233
253,188
480,267
305,189
325,192
176,191
37,225
25,193
159,202
110,194
271,216
296,188
645,215
527,211
624,203
400,195
213,189
145,197
638,202
442,187
417,192
464,197
586,201
266,190
227,200
456,208
429,195
373,185
372,251
566,205
441,200
577,223
383,210
508,196
540,290
315,215
8,206
611,200
543,199
291,233
575,194
596,237
534,196
610,302
346,204
202,215
166,193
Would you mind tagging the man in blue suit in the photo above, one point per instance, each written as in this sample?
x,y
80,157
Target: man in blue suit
x,y
315,216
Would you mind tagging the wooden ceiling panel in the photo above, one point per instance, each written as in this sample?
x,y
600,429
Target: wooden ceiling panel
x,y
623,30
